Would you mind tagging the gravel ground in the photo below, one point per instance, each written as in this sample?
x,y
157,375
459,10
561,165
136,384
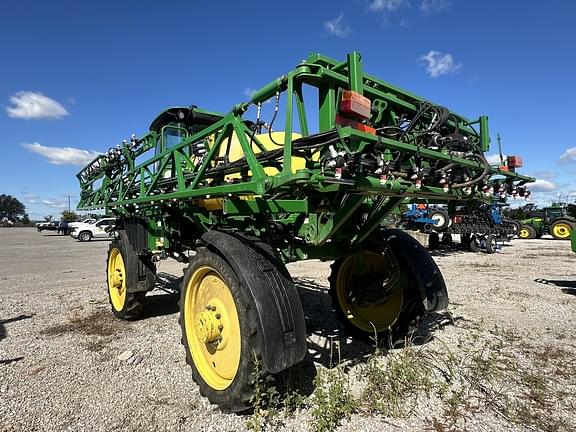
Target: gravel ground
x,y
67,364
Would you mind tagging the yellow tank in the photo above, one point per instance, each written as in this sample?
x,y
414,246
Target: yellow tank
x,y
236,151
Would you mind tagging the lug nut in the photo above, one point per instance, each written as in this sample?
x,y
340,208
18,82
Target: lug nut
x,y
218,316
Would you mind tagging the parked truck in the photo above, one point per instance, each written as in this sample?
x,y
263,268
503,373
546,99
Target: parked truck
x,y
236,199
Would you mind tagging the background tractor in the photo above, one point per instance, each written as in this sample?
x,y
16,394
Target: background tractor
x,y
552,220
236,200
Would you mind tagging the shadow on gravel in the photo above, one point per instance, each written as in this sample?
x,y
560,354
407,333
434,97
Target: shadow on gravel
x,y
448,251
12,360
163,304
4,335
329,342
3,332
567,287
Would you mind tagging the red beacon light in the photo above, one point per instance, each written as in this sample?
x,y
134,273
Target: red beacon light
x,y
514,162
355,105
354,108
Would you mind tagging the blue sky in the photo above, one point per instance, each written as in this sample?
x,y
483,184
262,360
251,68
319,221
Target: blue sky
x,y
78,77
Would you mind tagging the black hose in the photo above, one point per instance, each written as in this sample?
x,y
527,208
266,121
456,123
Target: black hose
x,y
478,179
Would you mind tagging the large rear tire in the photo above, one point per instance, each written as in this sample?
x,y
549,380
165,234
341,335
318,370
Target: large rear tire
x,y
561,230
219,331
375,292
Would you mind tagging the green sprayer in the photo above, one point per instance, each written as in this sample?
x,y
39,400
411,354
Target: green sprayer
x,y
236,200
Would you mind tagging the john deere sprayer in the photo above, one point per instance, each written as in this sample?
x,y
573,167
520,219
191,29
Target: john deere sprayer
x,y
236,200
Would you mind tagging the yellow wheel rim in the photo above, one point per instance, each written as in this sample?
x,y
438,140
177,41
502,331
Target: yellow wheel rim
x,y
524,233
116,279
212,327
561,230
371,317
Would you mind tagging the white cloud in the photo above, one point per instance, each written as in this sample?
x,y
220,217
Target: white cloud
x,y
387,5
55,204
542,185
249,92
438,64
544,174
494,159
428,7
31,105
62,155
338,27
569,155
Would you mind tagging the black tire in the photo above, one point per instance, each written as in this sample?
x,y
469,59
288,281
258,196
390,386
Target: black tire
x,y
527,232
446,239
473,245
133,304
442,217
84,236
433,241
465,241
413,309
516,226
237,395
561,229
491,244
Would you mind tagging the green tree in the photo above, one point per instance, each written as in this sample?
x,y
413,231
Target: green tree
x,y
69,216
25,219
11,208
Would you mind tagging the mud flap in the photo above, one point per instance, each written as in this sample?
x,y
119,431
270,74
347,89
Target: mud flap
x,y
420,264
141,271
279,310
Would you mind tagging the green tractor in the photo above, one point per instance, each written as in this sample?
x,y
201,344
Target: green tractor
x,y
554,221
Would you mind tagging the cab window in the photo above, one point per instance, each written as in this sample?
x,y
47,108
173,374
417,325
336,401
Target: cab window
x,y
170,136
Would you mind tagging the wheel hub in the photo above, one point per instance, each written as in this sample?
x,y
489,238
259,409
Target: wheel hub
x,y
371,289
117,279
208,326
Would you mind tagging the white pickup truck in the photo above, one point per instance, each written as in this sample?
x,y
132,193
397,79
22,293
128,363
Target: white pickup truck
x,y
87,231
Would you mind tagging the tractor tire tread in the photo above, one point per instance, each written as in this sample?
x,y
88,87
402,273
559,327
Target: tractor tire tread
x,y
237,397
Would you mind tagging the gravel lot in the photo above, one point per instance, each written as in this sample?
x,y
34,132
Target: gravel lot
x,y
64,363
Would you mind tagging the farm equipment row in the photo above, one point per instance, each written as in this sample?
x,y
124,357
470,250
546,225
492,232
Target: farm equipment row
x,y
480,225
236,200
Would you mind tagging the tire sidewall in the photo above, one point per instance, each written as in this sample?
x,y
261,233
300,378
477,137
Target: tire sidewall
x,y
237,395
491,244
129,310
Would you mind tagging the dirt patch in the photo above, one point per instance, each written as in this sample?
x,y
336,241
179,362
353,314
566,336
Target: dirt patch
x,y
98,323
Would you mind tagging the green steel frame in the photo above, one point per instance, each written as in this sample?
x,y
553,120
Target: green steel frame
x,y
314,211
